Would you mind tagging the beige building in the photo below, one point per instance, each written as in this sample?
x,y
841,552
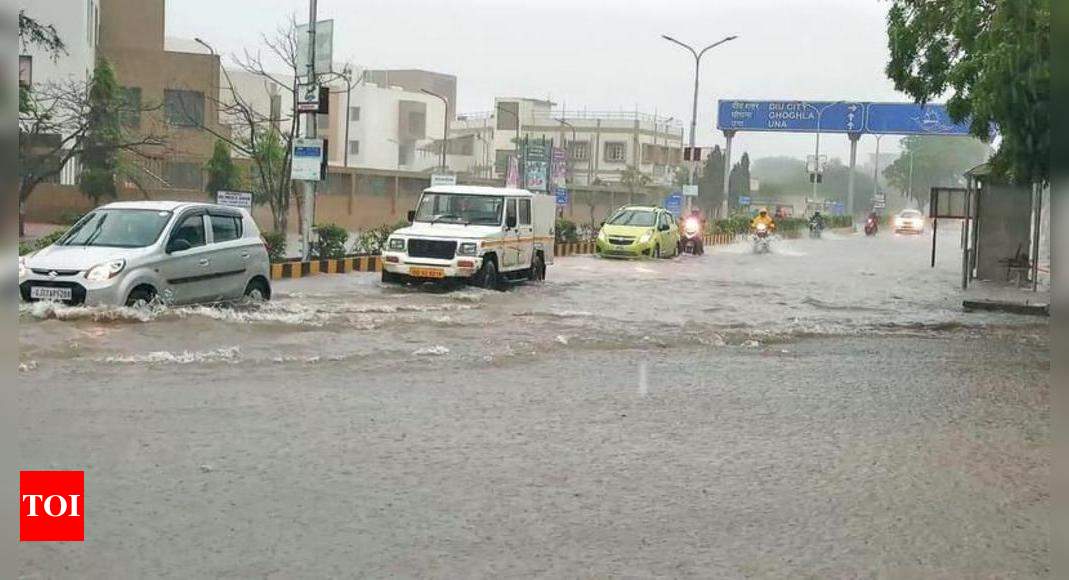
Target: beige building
x,y
601,144
181,88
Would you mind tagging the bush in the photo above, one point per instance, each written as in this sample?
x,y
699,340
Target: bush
x,y
373,241
276,246
567,231
41,242
330,242
69,218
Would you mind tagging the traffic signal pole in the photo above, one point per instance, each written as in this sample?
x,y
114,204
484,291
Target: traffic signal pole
x,y
308,188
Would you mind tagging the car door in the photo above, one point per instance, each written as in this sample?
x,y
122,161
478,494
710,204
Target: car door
x,y
229,255
187,271
524,231
511,245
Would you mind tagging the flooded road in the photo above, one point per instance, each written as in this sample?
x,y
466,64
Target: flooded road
x,y
826,410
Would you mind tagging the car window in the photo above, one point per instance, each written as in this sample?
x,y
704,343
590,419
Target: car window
x,y
633,217
190,229
510,211
525,212
225,228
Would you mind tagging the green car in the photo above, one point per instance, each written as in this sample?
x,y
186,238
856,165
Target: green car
x,y
639,232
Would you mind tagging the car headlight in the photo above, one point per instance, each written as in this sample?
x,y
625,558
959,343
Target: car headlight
x,y
24,270
396,244
467,249
602,235
646,237
105,271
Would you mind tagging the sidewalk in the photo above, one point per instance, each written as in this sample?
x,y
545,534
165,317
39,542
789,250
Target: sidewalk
x,y
1002,297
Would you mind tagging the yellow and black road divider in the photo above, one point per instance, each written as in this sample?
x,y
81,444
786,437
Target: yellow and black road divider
x,y
295,269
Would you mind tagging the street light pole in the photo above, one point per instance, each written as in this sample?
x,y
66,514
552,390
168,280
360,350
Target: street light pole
x,y
308,191
876,169
568,149
816,152
445,124
694,105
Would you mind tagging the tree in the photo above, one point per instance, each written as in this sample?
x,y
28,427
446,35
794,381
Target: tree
x,y
223,174
266,137
935,161
786,176
73,121
739,181
634,178
994,58
100,149
33,34
711,183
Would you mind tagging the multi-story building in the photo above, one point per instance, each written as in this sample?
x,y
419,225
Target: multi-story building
x,y
601,145
178,91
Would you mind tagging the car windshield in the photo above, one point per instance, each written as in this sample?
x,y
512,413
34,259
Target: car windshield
x,y
633,217
911,213
118,228
458,208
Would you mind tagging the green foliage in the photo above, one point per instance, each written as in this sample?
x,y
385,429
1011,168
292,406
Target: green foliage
x,y
103,139
937,162
223,174
711,182
70,217
680,176
41,242
634,179
33,34
739,181
276,246
373,241
780,176
566,231
330,241
994,59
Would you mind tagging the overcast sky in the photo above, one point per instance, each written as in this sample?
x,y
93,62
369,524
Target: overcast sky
x,y
600,54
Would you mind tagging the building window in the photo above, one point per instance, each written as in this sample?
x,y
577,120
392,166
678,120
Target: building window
x,y
580,150
183,175
508,115
25,70
354,148
616,151
354,114
501,160
417,123
184,108
130,113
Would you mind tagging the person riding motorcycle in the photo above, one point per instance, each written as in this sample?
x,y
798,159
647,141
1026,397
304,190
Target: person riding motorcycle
x,y
817,220
763,218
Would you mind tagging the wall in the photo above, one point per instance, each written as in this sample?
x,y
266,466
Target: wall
x,y
76,23
1004,219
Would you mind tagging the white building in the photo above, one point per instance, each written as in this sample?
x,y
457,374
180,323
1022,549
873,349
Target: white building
x,y
602,145
77,23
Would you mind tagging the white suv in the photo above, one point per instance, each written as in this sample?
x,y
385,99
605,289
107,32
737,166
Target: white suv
x,y
133,252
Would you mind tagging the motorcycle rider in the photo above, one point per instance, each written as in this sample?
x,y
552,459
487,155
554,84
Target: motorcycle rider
x,y
872,225
691,229
817,220
763,218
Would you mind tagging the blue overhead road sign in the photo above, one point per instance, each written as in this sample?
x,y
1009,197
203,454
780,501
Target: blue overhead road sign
x,y
911,119
838,117
791,116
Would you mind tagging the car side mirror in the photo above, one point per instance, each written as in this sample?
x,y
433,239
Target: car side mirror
x,y
510,222
411,215
178,245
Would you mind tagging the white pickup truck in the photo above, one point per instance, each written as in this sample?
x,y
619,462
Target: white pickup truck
x,y
486,236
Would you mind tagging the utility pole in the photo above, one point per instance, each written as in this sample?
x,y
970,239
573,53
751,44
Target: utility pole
x,y
876,169
694,106
816,153
445,125
308,188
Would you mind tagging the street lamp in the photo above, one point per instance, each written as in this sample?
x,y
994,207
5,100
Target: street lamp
x,y
694,108
445,125
571,171
816,153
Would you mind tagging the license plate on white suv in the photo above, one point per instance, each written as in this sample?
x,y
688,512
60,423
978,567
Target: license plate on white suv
x,y
47,293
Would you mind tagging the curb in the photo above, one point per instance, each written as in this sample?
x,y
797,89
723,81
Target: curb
x,y
285,270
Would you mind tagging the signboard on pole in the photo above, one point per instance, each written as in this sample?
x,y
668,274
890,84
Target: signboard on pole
x,y
324,47
674,203
536,166
307,160
443,180
512,175
308,98
948,202
562,196
838,117
690,191
242,199
744,200
559,167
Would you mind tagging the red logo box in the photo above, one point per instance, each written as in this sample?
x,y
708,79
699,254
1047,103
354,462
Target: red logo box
x,y
51,506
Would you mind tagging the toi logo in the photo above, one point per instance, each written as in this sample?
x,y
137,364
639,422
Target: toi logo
x,y
51,506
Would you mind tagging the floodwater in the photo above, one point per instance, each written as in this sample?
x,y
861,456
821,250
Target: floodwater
x,y
825,410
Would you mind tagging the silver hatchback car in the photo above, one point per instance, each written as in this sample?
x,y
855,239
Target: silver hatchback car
x,y
129,253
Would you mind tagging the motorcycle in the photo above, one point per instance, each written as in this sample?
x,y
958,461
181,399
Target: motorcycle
x,y
871,227
816,229
762,239
691,240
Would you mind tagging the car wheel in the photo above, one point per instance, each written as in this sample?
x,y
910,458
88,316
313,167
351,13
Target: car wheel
x,y
487,276
657,252
390,277
257,291
140,297
538,269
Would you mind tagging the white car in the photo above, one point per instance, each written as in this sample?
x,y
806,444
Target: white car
x,y
130,253
909,221
483,235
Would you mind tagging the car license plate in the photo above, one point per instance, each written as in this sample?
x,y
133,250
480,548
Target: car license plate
x,y
427,272
46,293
